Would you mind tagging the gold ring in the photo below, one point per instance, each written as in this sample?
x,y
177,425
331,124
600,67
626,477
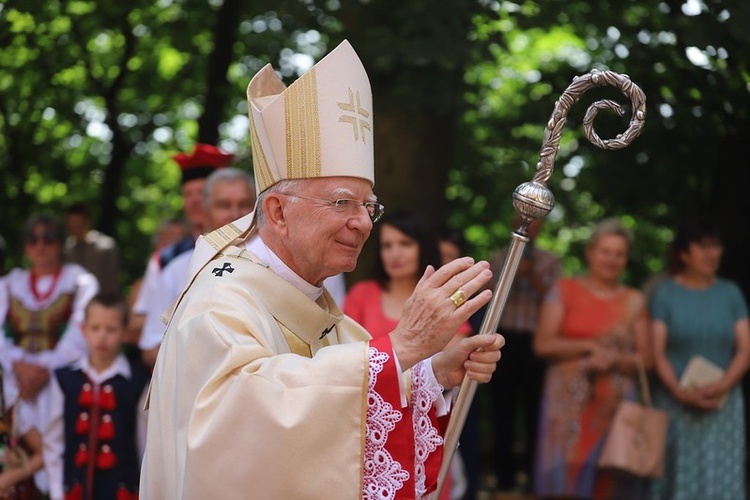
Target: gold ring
x,y
458,297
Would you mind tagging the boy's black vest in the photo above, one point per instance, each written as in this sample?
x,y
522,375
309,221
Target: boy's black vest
x,y
100,459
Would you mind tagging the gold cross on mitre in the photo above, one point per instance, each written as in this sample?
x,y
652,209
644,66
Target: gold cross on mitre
x,y
354,106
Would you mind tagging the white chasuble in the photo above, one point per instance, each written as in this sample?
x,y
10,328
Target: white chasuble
x,y
259,392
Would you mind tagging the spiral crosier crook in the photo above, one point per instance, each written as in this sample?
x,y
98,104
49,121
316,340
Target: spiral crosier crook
x,y
533,200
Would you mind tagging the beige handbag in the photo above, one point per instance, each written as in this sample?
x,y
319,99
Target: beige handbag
x,y
637,436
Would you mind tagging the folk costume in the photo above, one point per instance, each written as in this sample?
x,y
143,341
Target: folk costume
x,y
171,281
263,388
90,440
15,424
41,317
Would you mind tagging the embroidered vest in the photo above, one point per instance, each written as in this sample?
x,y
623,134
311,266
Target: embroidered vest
x,y
38,330
100,459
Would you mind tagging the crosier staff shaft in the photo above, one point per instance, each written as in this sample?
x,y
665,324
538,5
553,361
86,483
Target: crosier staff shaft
x,y
533,200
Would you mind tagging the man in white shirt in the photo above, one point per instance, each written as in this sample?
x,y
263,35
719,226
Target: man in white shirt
x,y
228,194
195,167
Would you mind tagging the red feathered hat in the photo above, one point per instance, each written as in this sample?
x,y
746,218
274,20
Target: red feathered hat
x,y
201,162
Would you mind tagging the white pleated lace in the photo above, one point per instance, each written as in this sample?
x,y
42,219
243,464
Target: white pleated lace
x,y
383,476
425,390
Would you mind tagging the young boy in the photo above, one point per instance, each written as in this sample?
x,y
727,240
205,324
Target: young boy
x,y
90,441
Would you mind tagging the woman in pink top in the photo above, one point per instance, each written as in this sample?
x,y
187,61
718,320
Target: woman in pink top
x,y
406,246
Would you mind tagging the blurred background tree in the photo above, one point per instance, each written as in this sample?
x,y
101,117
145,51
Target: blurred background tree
x,y
95,97
690,58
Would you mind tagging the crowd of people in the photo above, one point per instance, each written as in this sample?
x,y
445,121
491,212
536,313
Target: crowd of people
x,y
262,368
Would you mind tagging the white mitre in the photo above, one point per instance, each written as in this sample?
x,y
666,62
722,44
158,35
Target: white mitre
x,y
320,126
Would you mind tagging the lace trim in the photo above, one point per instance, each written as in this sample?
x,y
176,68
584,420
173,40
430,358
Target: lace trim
x,y
383,476
425,391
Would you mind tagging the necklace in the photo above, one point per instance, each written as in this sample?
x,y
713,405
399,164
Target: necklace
x,y
41,297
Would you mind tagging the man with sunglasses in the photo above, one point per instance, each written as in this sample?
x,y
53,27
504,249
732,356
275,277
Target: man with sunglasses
x,y
262,387
41,309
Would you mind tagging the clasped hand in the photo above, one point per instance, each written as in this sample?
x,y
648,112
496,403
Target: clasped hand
x,y
706,397
431,319
601,359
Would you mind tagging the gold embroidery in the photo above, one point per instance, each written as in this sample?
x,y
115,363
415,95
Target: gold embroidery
x,y
303,149
214,240
262,169
296,344
220,238
355,109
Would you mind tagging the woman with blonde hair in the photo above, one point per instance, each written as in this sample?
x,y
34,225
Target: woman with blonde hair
x,y
592,331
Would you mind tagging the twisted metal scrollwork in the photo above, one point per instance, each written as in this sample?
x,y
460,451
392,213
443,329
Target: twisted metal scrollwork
x,y
533,200
572,94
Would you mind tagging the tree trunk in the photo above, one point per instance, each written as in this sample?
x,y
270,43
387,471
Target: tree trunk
x,y
412,157
217,86
732,203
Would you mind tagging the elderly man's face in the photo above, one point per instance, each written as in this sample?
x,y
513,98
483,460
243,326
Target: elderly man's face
x,y
321,239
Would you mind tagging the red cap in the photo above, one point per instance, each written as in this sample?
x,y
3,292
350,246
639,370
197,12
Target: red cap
x,y
201,162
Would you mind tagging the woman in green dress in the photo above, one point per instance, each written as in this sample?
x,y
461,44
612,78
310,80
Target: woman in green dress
x,y
697,313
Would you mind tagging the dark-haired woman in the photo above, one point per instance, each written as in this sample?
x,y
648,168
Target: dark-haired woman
x,y
697,313
406,246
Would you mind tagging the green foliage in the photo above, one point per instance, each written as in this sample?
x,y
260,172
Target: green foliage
x,y
527,54
95,97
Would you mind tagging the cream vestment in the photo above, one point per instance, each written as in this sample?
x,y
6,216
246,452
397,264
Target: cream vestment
x,y
232,408
258,391
238,409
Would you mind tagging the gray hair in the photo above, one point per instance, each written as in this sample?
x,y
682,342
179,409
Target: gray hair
x,y
610,226
285,186
228,174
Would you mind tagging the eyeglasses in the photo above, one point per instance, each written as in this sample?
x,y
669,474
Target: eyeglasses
x,y
347,207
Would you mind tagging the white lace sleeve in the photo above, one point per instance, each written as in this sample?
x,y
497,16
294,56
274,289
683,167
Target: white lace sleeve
x,y
383,476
